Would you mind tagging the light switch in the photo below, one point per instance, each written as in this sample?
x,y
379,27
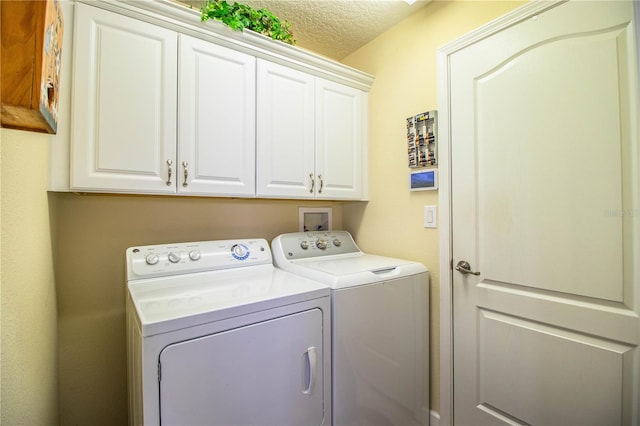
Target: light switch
x,y
430,217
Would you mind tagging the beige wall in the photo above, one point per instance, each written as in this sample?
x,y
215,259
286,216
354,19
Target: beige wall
x,y
29,378
403,60
93,233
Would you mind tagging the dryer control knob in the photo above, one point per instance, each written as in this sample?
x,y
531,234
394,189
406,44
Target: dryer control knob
x,y
152,259
321,244
194,255
174,257
240,251
304,245
337,242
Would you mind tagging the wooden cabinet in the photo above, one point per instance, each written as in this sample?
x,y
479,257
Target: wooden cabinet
x,y
216,116
310,136
123,137
31,42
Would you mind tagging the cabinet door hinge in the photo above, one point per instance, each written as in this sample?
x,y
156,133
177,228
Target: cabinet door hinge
x,y
159,372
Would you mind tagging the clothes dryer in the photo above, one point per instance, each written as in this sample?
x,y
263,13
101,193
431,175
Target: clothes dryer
x,y
217,335
380,337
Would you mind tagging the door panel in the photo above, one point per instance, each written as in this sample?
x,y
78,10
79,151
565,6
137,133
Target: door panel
x,y
285,132
550,234
551,384
544,160
338,140
217,119
259,374
124,101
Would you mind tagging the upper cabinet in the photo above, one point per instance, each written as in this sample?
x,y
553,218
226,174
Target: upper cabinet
x,y
309,136
165,104
286,132
123,136
340,128
216,119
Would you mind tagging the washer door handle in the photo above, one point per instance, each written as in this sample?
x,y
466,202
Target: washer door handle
x,y
310,366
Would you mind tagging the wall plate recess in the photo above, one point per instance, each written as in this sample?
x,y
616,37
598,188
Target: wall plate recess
x,y
314,219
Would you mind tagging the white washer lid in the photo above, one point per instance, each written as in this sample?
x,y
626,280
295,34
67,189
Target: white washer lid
x,y
349,270
170,303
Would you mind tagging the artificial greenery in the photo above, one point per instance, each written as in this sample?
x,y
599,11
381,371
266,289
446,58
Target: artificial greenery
x,y
239,16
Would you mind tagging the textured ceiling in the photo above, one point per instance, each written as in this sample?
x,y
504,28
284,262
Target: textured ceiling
x,y
334,28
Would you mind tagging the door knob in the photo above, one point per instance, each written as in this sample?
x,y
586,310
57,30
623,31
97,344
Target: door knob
x,y
464,267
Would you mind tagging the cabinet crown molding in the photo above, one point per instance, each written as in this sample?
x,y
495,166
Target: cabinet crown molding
x,y
185,20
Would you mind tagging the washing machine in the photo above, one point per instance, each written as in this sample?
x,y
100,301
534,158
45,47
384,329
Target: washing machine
x,y
216,335
380,336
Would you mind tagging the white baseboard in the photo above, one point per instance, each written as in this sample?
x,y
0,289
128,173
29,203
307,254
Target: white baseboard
x,y
434,418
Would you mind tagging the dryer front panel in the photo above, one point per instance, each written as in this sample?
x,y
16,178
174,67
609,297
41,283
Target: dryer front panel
x,y
267,373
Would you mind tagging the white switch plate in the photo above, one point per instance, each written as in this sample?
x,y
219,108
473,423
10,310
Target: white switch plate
x,y
430,217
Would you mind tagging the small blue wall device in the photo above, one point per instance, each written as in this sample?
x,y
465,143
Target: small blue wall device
x,y
423,180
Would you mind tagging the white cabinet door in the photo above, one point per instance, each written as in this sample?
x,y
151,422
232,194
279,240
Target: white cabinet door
x,y
124,104
339,130
216,113
310,136
285,132
269,373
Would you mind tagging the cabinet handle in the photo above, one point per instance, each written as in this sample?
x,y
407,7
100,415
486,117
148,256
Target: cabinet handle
x,y
321,184
186,174
313,183
169,163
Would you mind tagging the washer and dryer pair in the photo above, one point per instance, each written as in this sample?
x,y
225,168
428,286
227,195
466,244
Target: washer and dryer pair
x,y
219,336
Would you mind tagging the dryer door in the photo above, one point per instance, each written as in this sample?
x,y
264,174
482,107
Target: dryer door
x,y
268,373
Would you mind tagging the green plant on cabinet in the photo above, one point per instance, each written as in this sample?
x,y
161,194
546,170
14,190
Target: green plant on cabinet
x,y
238,16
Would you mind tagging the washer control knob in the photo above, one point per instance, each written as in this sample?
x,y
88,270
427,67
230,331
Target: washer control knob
x,y
151,259
337,242
321,244
304,245
194,255
174,257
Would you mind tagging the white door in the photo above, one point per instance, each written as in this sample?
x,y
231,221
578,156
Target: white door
x,y
285,132
216,113
339,156
124,103
269,373
545,198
